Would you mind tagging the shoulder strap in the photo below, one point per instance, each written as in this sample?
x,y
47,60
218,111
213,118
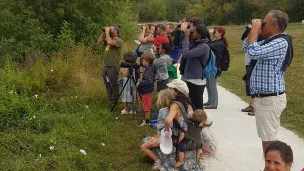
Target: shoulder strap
x,y
183,110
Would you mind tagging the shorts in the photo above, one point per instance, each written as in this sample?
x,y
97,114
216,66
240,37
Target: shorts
x,y
182,146
155,141
267,115
146,102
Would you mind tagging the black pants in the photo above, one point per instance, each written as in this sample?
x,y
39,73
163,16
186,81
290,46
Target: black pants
x,y
196,94
247,82
110,77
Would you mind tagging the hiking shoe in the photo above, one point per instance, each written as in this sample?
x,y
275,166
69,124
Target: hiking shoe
x,y
144,123
248,109
251,113
156,165
206,104
124,112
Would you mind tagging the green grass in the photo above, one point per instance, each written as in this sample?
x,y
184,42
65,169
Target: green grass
x,y
293,116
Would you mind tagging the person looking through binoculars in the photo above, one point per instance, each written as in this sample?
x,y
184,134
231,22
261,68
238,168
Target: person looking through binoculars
x,y
113,53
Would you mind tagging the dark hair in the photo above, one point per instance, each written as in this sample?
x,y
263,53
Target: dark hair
x,y
196,21
280,18
221,29
284,149
181,97
129,57
202,30
166,47
147,56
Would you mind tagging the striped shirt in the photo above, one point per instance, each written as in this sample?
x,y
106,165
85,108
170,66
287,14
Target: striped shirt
x,y
267,75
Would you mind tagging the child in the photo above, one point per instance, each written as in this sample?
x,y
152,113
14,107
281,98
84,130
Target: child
x,y
163,101
198,115
161,64
146,85
208,137
129,92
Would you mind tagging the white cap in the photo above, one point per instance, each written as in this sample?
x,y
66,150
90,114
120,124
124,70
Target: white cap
x,y
179,85
209,119
166,144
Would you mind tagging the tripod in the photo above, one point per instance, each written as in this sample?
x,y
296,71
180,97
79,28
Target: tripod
x,y
130,77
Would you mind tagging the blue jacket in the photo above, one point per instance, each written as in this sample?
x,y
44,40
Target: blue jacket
x,y
196,55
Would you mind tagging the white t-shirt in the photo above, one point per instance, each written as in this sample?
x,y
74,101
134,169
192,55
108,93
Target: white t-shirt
x,y
208,137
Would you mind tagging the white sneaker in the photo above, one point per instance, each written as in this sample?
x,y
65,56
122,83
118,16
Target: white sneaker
x,y
144,123
156,165
132,113
124,112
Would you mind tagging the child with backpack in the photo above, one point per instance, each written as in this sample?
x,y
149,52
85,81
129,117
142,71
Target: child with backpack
x,y
163,101
129,92
190,139
161,64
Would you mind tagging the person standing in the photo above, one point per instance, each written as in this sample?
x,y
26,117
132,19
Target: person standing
x,y
197,55
269,60
112,56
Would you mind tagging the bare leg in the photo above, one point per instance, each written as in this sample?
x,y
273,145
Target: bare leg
x,y
145,149
251,101
265,144
181,156
126,106
198,152
147,115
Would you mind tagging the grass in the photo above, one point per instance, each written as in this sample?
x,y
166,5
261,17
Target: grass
x,y
293,116
51,137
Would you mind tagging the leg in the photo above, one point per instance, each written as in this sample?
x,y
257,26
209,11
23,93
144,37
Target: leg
x,y
213,91
113,77
147,99
198,152
145,149
208,90
181,156
106,83
126,106
196,95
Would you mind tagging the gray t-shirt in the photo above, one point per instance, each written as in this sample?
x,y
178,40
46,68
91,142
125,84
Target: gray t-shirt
x,y
161,64
145,47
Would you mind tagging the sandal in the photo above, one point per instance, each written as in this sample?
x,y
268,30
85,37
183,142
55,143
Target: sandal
x,y
210,107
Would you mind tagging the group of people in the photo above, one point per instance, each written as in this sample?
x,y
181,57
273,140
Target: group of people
x,y
182,121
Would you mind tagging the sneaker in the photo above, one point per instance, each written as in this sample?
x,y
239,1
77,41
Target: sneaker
x,y
132,113
144,123
124,112
156,165
251,113
248,109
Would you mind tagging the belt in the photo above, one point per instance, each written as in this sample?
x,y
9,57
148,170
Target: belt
x,y
268,94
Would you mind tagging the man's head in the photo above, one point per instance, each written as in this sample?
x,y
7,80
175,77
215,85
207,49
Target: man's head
x,y
170,28
275,22
114,31
160,29
199,32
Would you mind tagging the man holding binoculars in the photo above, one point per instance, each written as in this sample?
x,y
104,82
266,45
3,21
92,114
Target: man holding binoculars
x,y
113,53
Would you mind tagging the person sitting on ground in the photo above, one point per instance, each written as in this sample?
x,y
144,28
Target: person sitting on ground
x,y
198,116
163,102
129,92
161,64
209,139
146,85
278,156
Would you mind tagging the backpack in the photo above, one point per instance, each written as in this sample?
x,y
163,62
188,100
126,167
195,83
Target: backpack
x,y
222,57
192,134
210,68
172,72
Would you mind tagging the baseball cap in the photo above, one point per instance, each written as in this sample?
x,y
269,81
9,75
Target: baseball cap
x,y
163,27
209,119
166,144
179,85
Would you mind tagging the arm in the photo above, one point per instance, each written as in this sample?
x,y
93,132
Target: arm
x,y
149,38
142,37
158,62
173,112
181,137
101,38
161,118
267,51
196,52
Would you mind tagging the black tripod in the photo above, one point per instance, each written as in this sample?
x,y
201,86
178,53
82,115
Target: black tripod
x,y
130,77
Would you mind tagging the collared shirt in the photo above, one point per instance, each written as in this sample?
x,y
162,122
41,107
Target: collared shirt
x,y
267,75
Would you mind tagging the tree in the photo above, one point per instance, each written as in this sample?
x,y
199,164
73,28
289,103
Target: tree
x,y
157,9
242,12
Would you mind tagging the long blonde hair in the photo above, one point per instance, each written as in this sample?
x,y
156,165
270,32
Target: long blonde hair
x,y
165,97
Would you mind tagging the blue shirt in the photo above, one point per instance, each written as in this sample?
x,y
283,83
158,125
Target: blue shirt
x,y
267,75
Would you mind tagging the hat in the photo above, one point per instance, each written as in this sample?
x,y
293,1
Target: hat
x,y
179,85
166,144
163,27
209,119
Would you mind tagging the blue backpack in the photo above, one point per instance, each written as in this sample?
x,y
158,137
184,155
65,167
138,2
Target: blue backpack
x,y
210,69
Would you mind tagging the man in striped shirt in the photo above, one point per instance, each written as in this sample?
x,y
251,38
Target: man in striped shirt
x,y
267,83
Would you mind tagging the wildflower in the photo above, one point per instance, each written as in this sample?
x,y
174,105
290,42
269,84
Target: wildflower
x,y
34,117
76,97
86,106
36,96
52,147
83,152
116,118
102,144
52,70
11,92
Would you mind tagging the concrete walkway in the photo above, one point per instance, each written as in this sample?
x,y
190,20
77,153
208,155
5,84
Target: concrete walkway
x,y
240,148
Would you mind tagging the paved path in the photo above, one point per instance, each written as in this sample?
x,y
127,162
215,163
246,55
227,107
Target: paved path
x,y
240,148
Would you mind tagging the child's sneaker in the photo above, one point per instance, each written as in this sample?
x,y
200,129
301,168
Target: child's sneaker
x,y
124,112
144,123
156,165
132,112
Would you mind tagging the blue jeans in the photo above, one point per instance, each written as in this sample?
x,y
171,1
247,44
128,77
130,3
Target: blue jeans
x,y
212,90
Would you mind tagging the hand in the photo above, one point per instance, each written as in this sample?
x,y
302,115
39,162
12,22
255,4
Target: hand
x,y
107,29
144,28
256,24
184,26
137,84
187,34
152,29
